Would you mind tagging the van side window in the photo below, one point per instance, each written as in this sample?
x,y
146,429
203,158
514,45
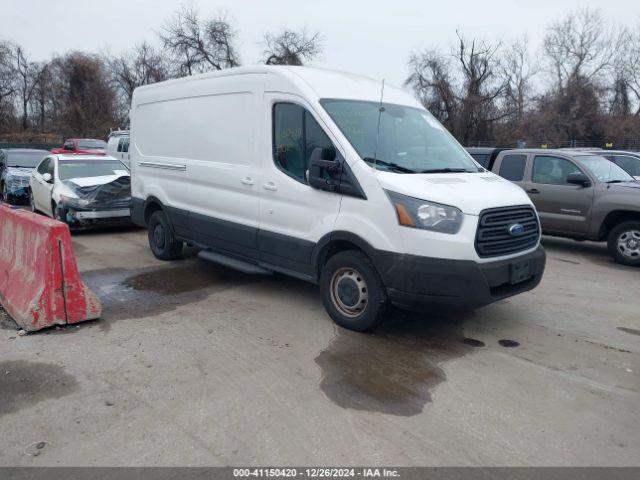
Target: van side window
x,y
120,143
295,135
125,145
512,167
552,170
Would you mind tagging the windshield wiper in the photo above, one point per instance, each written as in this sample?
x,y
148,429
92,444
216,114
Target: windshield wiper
x,y
617,181
391,166
446,170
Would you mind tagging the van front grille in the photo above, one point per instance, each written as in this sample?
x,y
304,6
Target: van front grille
x,y
496,237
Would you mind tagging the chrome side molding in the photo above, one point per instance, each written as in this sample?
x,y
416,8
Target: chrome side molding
x,y
164,166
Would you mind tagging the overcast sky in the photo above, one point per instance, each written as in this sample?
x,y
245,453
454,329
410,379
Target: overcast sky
x,y
370,37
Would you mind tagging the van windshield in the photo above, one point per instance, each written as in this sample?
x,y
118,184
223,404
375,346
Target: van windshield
x,y
409,140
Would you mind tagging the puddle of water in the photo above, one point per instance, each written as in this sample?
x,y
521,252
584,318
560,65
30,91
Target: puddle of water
x,y
472,342
394,369
28,383
632,331
146,292
508,343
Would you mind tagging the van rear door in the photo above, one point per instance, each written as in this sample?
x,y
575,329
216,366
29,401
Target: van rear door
x,y
293,215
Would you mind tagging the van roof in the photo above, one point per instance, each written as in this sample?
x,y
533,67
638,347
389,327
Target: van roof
x,y
323,83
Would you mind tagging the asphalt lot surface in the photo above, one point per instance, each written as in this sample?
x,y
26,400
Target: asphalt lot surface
x,y
194,364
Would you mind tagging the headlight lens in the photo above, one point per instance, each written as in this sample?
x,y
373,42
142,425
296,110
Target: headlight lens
x,y
73,202
416,213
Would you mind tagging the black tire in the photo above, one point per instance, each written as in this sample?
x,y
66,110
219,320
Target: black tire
x,y
161,240
624,243
352,292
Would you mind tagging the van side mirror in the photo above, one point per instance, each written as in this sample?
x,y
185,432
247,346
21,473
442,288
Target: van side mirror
x,y
578,178
47,177
323,160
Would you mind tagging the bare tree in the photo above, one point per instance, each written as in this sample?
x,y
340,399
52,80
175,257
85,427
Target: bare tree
x,y
291,48
7,84
581,47
142,65
461,89
40,100
200,45
518,70
631,66
27,75
431,79
85,100
481,86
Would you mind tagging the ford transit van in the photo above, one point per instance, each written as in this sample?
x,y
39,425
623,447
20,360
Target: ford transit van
x,y
332,178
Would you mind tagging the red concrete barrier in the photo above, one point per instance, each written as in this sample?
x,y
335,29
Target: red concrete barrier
x,y
40,285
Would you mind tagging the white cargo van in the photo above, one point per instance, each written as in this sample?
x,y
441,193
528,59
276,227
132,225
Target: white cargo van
x,y
118,146
327,177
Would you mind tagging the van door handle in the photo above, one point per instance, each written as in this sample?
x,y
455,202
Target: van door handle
x,y
270,186
533,190
247,181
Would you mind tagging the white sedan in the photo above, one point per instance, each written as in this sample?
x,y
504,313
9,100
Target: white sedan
x,y
81,190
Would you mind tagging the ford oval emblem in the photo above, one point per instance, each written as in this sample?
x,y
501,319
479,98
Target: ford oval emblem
x,y
516,229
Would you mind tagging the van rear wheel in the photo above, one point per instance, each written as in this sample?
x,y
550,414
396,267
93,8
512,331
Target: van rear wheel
x,y
352,292
161,240
624,243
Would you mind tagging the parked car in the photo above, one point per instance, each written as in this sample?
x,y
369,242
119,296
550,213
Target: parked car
x,y
86,146
485,156
580,195
284,169
16,165
118,146
82,191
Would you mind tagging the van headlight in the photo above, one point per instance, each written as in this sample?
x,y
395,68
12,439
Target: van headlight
x,y
416,213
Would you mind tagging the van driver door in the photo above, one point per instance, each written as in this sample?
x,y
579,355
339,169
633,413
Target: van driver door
x,y
293,215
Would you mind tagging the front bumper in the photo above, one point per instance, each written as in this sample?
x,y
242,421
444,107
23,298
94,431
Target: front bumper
x,y
412,281
86,218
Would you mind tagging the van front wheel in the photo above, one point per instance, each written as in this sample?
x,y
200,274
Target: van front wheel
x,y
161,240
352,292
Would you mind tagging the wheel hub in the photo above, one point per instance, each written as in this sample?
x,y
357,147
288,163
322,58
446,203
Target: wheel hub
x,y
158,235
349,292
629,243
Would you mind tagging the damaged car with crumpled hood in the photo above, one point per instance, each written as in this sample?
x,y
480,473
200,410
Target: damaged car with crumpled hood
x,y
82,191
16,165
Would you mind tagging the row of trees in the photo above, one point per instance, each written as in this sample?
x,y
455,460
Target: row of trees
x,y
582,83
88,94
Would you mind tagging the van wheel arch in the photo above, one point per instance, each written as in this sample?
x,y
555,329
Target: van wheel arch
x,y
151,205
336,242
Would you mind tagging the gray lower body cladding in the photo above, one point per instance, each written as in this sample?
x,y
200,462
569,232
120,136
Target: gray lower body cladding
x,y
410,280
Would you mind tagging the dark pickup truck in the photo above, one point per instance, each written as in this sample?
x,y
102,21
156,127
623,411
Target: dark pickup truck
x,y
580,195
